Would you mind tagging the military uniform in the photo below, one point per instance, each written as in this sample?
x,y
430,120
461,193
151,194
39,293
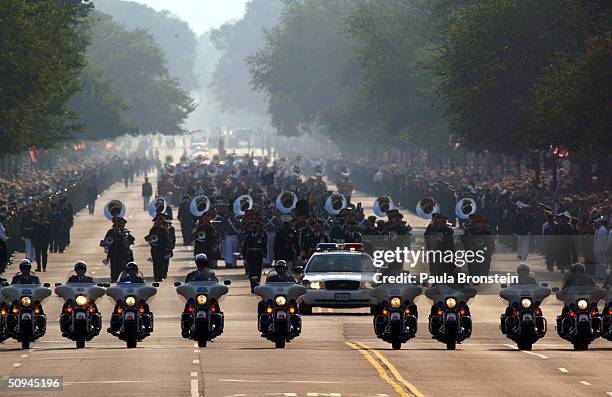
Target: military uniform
x,y
161,247
253,251
118,250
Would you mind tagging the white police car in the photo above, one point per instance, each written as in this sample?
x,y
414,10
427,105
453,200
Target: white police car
x,y
337,275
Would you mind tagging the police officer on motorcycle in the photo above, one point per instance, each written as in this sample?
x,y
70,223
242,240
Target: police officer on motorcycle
x,y
281,275
203,272
25,275
80,268
524,278
130,275
577,277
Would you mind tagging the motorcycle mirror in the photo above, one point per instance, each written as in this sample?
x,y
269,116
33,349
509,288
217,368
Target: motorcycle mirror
x,y
46,285
107,285
100,284
58,284
227,282
155,285
177,283
545,285
555,289
504,285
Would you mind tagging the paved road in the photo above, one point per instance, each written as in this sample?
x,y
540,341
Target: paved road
x,y
337,354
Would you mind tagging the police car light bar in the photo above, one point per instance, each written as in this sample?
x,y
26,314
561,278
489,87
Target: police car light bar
x,y
326,246
353,246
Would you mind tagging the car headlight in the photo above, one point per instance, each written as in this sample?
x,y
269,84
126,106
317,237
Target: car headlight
x,y
526,303
130,301
582,304
316,285
396,302
451,303
202,299
26,301
81,300
281,300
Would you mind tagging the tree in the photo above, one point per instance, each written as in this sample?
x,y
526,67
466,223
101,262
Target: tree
x,y
231,81
41,55
172,34
302,67
136,66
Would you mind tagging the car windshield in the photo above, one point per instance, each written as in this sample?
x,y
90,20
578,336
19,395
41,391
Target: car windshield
x,y
340,264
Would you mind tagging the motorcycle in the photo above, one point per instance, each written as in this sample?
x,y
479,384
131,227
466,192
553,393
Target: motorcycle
x,y
607,316
131,321
26,320
450,321
523,321
580,322
4,309
202,320
279,320
395,318
80,320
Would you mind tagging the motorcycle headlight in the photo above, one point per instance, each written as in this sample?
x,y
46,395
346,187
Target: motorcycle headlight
x,y
81,300
130,301
202,299
582,304
26,301
281,300
451,303
396,302
526,303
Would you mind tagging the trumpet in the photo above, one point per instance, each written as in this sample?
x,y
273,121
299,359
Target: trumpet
x,y
242,204
286,202
114,208
199,205
465,207
426,207
382,205
335,203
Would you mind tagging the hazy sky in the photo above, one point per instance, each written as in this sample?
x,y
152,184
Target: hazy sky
x,y
201,15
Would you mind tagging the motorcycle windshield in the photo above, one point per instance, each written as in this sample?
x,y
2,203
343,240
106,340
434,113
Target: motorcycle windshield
x,y
36,291
404,291
590,293
272,290
461,293
515,293
139,291
72,290
211,289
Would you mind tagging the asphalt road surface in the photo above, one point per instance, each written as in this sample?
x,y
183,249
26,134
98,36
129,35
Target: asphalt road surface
x,y
336,355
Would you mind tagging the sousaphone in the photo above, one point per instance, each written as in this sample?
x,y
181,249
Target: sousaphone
x,y
382,205
286,202
212,170
426,207
345,170
465,207
199,205
158,206
242,204
114,208
335,203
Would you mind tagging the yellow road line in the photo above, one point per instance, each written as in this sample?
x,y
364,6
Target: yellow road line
x,y
381,371
393,369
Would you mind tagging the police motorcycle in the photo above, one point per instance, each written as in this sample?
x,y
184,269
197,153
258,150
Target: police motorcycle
x,y
4,335
580,322
450,321
607,315
131,321
202,320
80,320
25,318
523,321
395,318
280,320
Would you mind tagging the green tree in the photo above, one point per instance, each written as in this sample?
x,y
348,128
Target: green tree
x,y
173,35
136,66
41,55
